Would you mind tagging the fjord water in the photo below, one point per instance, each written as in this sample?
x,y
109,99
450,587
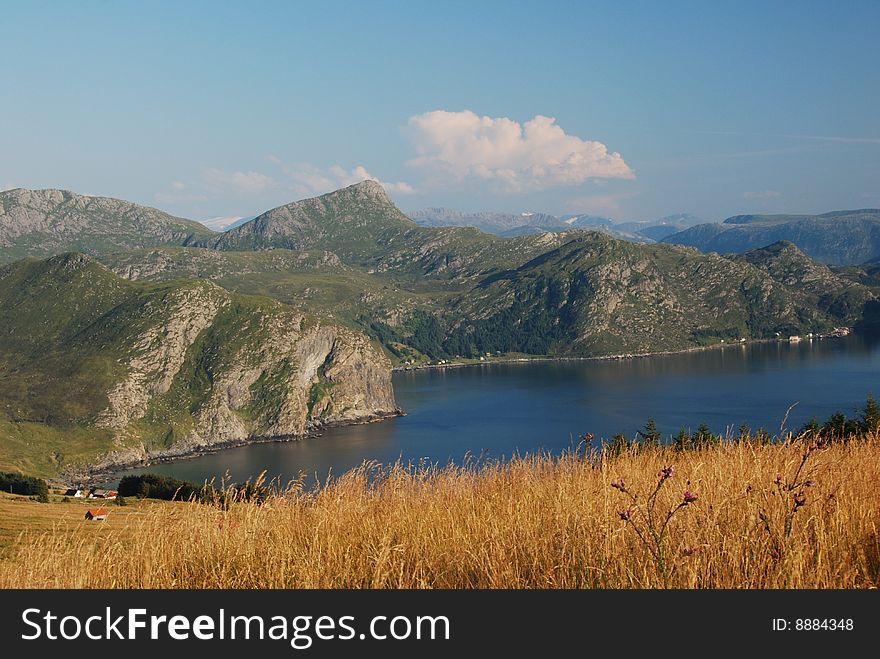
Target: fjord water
x,y
494,410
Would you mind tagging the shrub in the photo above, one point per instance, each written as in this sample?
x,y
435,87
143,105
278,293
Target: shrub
x,y
154,486
20,484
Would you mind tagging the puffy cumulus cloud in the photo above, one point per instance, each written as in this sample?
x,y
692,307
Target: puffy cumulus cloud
x,y
247,182
455,147
310,180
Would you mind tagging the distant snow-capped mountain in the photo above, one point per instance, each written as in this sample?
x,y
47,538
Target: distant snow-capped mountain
x,y
226,222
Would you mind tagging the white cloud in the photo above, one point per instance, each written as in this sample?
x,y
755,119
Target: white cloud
x,y
178,185
310,180
455,147
761,194
247,182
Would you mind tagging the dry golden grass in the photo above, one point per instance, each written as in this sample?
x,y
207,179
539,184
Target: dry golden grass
x,y
536,522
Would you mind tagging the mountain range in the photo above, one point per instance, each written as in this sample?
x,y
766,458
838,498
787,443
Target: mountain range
x,y
47,222
839,238
119,345
510,225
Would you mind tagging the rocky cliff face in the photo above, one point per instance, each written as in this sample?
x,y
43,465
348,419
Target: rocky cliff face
x,y
240,376
158,354
168,369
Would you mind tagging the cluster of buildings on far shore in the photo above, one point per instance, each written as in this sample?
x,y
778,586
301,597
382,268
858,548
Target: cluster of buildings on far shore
x,y
837,331
94,493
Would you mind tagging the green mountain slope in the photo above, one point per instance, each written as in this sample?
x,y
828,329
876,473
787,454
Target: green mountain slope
x,y
363,227
591,295
97,369
316,282
454,292
830,292
841,237
595,295
46,222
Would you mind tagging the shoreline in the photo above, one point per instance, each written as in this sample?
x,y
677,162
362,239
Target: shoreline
x,y
91,475
609,358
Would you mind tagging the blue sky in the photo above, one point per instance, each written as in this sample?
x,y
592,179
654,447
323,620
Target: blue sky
x,y
209,109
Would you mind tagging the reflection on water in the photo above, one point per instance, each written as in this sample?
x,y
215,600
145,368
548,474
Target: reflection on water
x,y
498,409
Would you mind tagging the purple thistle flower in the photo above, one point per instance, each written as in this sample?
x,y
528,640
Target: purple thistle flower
x,y
619,484
689,497
625,514
666,472
690,551
778,480
800,499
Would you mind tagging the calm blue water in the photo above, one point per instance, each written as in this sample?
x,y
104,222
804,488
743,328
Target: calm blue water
x,y
498,409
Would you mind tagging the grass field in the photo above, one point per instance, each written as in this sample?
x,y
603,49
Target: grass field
x,y
738,515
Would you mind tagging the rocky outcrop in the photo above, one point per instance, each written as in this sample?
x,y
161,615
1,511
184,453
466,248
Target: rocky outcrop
x,y
217,372
46,222
159,352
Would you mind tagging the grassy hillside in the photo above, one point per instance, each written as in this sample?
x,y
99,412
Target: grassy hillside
x,y
51,369
746,515
317,282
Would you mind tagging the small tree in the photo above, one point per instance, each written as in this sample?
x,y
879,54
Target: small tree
x,y
619,444
682,441
811,428
871,416
837,426
650,435
703,437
